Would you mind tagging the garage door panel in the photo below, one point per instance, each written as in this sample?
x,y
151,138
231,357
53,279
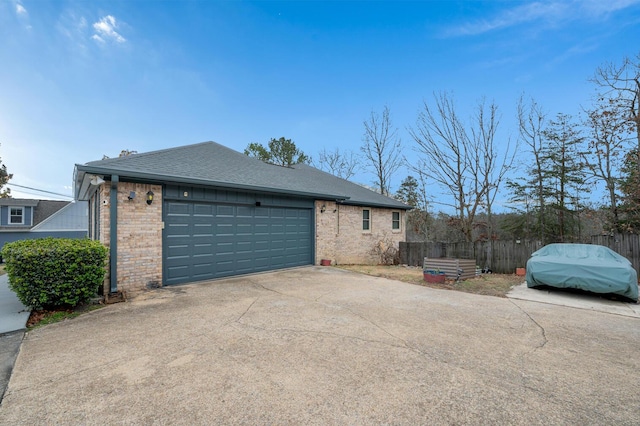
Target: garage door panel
x,y
244,228
202,249
202,272
224,210
277,260
177,209
178,251
244,247
276,229
261,244
245,211
177,271
177,228
203,210
277,215
201,237
204,227
224,248
224,267
200,220
209,240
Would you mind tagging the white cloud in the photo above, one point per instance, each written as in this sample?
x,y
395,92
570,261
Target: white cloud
x,y
20,10
22,15
75,28
600,7
97,38
105,30
550,12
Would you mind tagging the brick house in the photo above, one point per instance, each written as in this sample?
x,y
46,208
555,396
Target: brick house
x,y
204,211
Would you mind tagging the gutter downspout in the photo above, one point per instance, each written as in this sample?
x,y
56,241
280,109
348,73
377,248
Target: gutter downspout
x,y
113,234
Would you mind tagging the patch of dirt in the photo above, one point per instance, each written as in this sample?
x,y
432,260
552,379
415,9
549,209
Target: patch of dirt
x,y
56,314
37,316
486,284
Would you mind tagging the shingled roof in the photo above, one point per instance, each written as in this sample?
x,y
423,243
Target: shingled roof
x,y
46,208
212,164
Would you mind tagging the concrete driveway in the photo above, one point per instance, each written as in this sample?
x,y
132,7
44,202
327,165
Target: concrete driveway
x,y
324,346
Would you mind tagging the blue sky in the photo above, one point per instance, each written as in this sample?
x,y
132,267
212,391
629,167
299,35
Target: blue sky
x,y
81,79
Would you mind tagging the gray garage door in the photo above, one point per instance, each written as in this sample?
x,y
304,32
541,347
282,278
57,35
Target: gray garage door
x,y
204,240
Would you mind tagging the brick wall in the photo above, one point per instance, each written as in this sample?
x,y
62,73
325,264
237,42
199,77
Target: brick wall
x,y
339,234
139,235
326,230
340,237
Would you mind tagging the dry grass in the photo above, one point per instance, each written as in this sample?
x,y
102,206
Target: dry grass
x,y
488,284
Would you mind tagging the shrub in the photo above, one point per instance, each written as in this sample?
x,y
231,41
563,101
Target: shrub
x,y
50,272
386,251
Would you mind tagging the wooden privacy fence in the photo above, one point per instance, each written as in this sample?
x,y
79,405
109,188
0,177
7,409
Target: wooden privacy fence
x,y
628,245
504,257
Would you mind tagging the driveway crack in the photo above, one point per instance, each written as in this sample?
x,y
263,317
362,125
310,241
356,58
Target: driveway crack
x,y
321,296
542,330
258,284
379,327
247,310
405,344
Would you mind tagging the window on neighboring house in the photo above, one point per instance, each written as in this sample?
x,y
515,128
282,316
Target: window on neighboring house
x,y
366,220
395,220
16,216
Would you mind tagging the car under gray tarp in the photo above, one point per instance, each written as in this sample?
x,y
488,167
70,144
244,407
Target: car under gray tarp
x,y
587,267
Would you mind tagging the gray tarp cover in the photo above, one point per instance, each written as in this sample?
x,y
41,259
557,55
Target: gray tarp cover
x,y
587,267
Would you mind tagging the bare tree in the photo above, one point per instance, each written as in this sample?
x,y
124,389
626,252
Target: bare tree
x,y
494,165
462,159
341,164
382,148
607,143
623,82
531,123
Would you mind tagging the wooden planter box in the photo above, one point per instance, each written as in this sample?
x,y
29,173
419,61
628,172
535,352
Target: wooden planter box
x,y
434,277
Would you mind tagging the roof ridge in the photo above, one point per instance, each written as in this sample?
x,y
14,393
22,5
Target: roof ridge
x,y
49,218
361,185
151,153
213,164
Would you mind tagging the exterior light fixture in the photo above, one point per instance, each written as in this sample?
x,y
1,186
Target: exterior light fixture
x,y
132,195
96,180
323,208
149,197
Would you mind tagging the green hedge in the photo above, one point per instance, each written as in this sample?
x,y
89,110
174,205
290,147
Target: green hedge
x,y
50,272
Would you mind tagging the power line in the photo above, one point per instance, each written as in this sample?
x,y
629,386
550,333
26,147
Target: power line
x,y
39,190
